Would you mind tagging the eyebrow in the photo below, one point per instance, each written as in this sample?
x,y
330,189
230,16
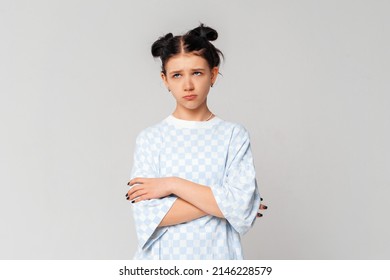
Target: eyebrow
x,y
193,69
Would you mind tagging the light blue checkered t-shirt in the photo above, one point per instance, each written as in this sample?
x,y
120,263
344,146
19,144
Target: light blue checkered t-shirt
x,y
215,153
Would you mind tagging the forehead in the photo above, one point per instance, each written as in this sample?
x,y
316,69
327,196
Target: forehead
x,y
185,61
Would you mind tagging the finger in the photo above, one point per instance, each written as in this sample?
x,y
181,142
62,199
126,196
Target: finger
x,y
136,194
133,190
263,207
135,181
130,192
139,198
134,200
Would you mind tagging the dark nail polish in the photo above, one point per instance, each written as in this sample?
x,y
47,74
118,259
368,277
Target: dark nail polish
x,y
132,201
265,207
127,198
259,215
261,199
127,194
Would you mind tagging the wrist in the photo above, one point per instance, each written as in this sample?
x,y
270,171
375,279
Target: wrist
x,y
174,185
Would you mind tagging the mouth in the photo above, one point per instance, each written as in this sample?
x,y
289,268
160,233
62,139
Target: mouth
x,y
190,97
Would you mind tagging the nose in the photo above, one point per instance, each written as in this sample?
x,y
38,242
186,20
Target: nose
x,y
188,84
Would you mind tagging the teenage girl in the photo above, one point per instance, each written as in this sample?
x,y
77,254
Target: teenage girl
x,y
193,186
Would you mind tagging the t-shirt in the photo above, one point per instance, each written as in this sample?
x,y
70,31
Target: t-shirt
x,y
214,153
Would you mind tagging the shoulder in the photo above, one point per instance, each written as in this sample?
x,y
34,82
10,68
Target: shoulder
x,y
151,133
235,130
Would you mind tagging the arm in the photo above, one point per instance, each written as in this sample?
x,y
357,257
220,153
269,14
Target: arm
x,y
181,212
148,214
237,195
199,196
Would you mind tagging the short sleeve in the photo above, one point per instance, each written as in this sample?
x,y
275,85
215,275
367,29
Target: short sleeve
x,y
148,213
237,195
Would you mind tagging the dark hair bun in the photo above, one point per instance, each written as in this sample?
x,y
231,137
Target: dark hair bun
x,y
197,40
160,44
205,32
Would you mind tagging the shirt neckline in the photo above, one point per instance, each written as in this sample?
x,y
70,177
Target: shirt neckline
x,y
192,124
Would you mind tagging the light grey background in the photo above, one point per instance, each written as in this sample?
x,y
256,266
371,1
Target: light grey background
x,y
309,80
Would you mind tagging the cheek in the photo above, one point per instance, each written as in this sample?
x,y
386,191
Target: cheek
x,y
174,82
175,95
205,87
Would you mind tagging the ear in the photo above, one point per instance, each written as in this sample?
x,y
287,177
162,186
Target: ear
x,y
164,78
214,74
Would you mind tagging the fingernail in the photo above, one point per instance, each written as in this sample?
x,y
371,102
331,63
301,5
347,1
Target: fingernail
x,y
128,183
127,194
265,207
132,201
127,198
261,199
259,215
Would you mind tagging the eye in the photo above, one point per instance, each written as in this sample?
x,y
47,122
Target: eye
x,y
197,73
176,75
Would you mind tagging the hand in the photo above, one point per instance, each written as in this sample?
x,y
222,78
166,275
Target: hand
x,y
261,207
149,188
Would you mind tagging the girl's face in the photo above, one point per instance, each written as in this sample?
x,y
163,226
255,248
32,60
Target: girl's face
x,y
189,77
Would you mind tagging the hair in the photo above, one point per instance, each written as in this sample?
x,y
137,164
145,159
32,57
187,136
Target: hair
x,y
195,41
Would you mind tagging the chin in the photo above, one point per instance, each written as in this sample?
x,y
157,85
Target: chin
x,y
189,107
197,106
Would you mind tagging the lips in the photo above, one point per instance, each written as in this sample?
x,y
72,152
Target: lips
x,y
190,97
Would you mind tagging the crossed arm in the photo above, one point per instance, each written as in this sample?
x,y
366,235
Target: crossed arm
x,y
194,200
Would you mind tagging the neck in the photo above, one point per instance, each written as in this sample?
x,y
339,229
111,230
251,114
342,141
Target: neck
x,y
193,115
